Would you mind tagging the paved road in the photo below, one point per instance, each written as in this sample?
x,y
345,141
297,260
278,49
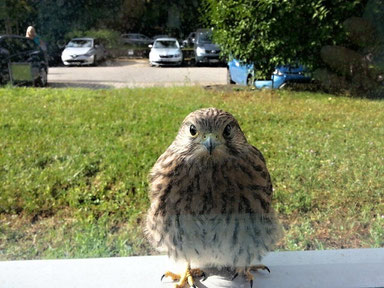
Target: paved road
x,y
134,73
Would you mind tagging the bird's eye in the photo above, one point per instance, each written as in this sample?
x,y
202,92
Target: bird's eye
x,y
227,130
193,130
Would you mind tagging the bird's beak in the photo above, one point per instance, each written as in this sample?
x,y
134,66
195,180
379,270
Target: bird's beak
x,y
210,142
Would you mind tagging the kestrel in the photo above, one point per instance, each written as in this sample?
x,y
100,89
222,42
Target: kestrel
x,y
210,195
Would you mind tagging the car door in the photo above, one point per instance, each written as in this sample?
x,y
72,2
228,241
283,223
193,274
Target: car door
x,y
236,71
232,69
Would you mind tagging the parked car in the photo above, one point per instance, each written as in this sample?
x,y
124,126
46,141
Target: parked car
x,y
244,73
206,52
83,51
22,61
136,39
165,51
190,41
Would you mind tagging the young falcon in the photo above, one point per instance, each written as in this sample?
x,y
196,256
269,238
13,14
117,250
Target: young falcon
x,y
210,195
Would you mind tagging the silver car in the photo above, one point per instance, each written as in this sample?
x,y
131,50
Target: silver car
x,y
206,52
165,51
83,51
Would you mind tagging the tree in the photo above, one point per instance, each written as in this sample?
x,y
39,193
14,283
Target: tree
x,y
56,18
273,32
15,14
132,12
176,18
53,19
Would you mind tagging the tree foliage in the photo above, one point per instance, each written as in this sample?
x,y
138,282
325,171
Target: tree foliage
x,y
273,32
109,38
175,18
14,15
53,19
57,18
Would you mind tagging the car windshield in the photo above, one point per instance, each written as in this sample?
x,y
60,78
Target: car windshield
x,y
204,37
80,43
166,44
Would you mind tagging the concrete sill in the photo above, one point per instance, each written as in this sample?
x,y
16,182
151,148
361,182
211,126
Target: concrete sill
x,y
329,268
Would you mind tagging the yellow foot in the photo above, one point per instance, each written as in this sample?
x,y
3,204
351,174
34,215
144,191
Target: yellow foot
x,y
247,272
186,277
259,267
175,277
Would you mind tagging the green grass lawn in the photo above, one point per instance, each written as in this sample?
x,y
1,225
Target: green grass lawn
x,y
74,165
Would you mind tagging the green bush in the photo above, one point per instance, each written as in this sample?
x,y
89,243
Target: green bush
x,y
274,32
109,38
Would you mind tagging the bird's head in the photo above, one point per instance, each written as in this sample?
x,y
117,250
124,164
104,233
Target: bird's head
x,y
210,132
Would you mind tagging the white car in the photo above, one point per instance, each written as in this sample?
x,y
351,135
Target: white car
x,y
165,51
83,51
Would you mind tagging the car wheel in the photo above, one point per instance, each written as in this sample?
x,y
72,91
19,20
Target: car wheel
x,y
229,78
283,86
42,81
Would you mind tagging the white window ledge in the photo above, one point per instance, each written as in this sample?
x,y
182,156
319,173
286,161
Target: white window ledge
x,y
329,268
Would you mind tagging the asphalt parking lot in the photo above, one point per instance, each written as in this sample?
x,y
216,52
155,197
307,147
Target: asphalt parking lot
x,y
134,73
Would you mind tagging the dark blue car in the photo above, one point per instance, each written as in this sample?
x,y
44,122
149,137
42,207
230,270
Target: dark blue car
x,y
242,73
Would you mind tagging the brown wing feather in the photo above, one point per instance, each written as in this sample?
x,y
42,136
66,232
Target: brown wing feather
x,y
256,194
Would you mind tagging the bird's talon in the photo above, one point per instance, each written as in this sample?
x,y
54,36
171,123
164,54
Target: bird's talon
x,y
248,276
204,276
175,277
258,267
